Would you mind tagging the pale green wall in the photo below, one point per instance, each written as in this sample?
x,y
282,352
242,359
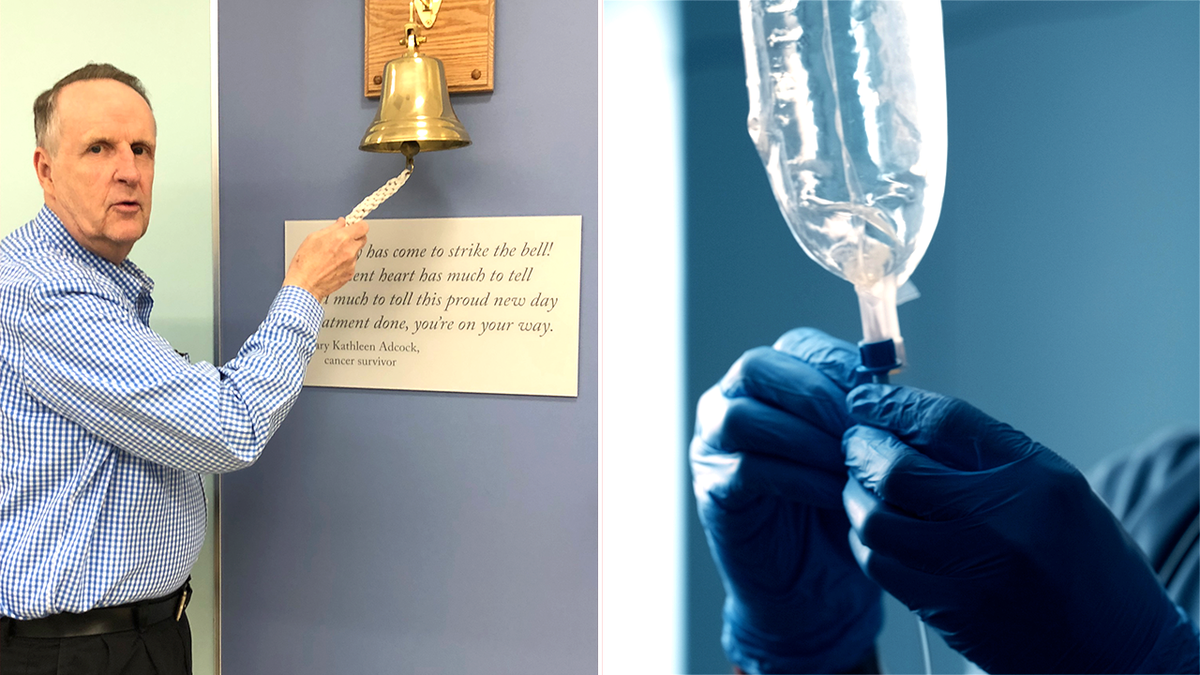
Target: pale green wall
x,y
167,45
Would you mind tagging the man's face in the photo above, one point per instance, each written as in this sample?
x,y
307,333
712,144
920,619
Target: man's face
x,y
98,174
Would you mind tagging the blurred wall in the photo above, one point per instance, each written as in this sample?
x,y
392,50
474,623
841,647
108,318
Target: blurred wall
x,y
1060,292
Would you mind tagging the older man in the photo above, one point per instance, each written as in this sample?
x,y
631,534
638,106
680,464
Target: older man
x,y
104,428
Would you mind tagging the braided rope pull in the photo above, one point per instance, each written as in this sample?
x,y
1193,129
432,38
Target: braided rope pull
x,y
372,202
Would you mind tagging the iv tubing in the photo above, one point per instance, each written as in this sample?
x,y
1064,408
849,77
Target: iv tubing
x,y
879,358
925,647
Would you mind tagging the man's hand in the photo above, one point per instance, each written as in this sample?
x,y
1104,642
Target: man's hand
x,y
325,260
999,544
768,472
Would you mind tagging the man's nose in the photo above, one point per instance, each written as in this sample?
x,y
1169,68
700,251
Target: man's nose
x,y
127,170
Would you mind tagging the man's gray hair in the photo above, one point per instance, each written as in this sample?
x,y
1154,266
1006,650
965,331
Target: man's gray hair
x,y
45,105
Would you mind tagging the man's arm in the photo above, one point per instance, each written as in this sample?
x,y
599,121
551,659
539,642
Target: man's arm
x,y
90,360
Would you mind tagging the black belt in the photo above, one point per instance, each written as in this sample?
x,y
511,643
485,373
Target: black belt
x,y
133,616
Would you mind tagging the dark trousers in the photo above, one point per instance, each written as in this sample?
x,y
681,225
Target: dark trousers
x,y
164,648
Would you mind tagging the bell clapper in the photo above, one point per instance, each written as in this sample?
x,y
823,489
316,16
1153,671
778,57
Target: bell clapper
x,y
410,150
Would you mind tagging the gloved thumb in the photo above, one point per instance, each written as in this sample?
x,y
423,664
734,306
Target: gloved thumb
x,y
948,430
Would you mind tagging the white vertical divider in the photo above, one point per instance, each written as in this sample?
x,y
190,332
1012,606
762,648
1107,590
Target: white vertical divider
x,y
642,439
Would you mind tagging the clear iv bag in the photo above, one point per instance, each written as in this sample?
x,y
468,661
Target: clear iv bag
x,y
848,112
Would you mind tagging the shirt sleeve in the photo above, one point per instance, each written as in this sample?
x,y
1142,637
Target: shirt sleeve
x,y
88,358
1155,492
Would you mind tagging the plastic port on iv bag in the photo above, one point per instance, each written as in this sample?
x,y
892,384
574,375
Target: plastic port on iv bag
x,y
848,113
877,308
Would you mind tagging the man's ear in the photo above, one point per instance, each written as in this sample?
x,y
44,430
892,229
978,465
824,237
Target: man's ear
x,y
42,165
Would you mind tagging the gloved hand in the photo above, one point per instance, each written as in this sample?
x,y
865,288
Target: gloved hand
x,y
1000,545
768,472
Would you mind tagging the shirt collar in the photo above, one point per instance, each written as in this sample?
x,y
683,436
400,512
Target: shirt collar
x,y
128,276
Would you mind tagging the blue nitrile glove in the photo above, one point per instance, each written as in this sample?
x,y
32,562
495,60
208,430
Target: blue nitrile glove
x,y
1000,545
768,472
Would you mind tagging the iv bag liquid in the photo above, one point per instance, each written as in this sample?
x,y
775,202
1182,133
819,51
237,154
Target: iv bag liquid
x,y
848,113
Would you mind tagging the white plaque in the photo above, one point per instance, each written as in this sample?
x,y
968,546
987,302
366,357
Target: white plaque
x,y
484,305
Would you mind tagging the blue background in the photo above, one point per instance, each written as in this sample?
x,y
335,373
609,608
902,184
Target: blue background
x,y
1060,292
392,531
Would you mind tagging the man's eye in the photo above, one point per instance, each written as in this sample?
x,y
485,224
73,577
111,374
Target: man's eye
x,y
139,151
95,149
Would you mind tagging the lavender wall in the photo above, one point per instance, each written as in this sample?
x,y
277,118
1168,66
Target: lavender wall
x,y
392,531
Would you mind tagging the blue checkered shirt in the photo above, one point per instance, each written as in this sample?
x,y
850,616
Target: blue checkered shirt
x,y
105,429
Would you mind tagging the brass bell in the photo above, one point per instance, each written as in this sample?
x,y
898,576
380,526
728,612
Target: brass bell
x,y
414,107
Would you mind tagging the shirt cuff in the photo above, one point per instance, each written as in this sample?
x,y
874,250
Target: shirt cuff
x,y
300,304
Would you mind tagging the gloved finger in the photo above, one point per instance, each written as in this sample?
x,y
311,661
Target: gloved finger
x,y
945,548
836,359
748,425
946,429
730,481
920,591
947,603
789,384
915,483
